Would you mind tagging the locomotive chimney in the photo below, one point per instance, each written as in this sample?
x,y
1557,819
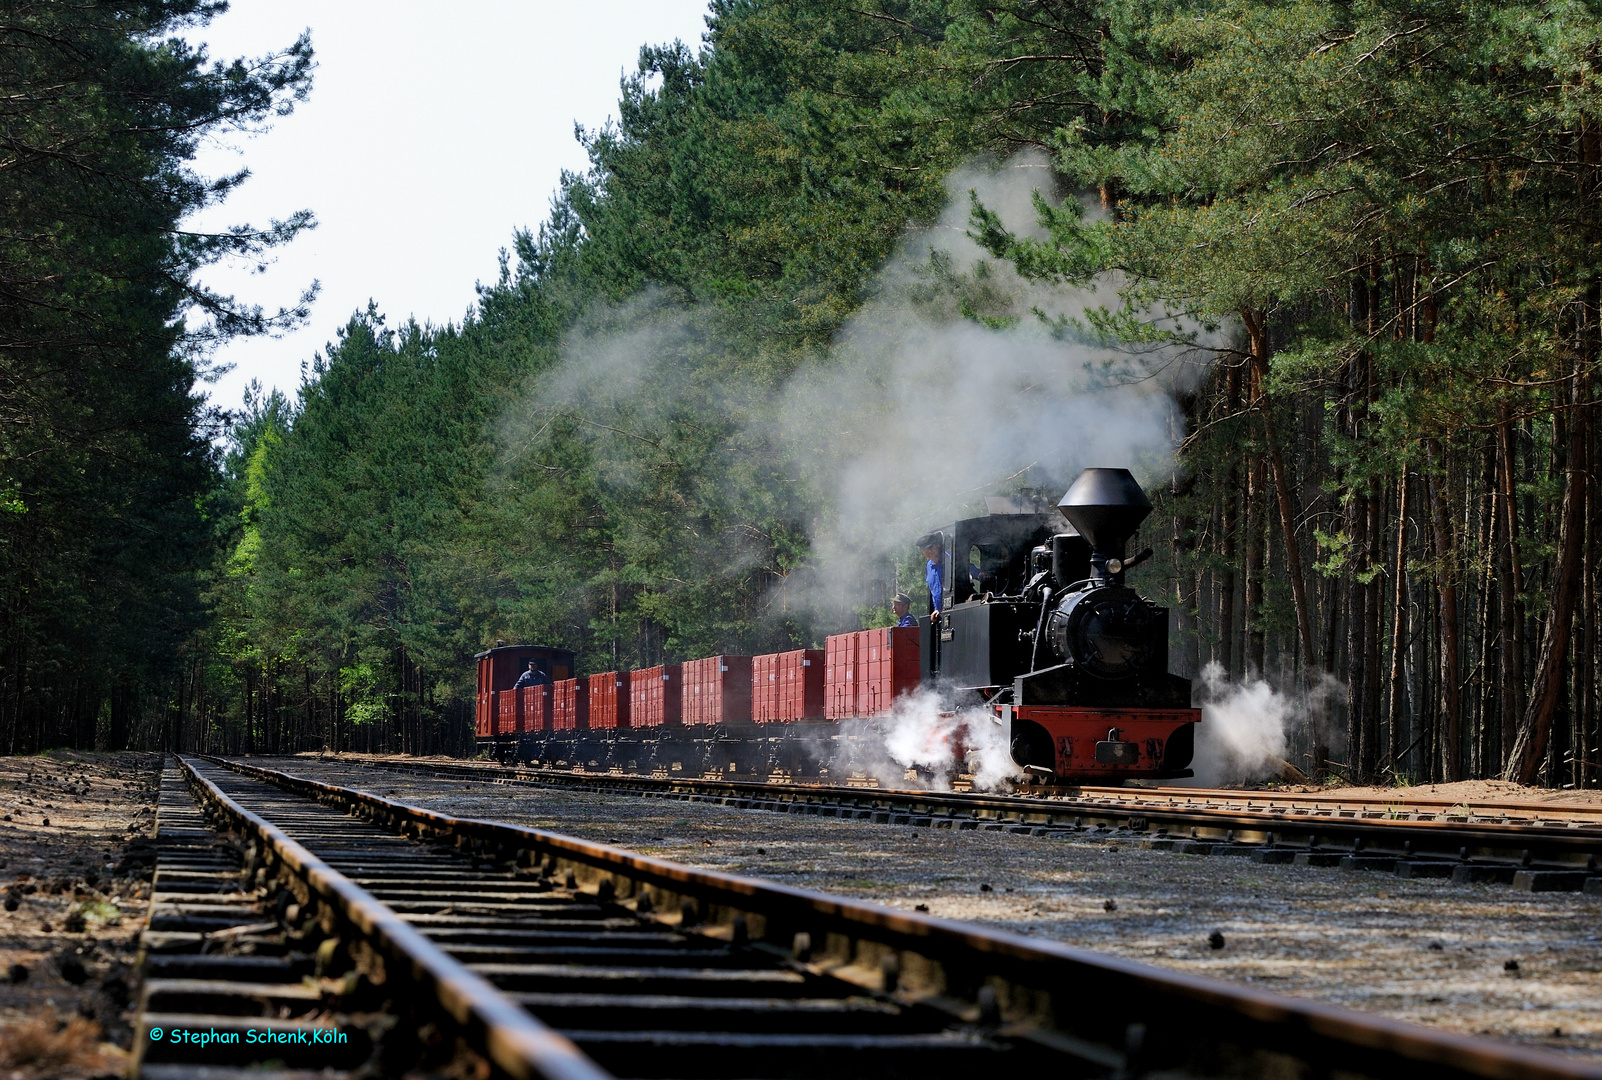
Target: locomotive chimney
x,y
1106,506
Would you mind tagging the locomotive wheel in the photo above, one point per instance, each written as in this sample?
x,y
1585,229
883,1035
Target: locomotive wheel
x,y
1031,745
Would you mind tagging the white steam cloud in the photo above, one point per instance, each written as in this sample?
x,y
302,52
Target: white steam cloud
x,y
922,732
958,379
1242,736
1246,726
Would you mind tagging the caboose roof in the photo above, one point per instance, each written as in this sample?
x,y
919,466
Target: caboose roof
x,y
531,650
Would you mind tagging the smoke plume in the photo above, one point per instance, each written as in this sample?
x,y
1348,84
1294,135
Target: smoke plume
x,y
959,379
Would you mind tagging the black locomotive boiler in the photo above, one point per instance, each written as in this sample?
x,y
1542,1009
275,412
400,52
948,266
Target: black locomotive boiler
x,y
1038,624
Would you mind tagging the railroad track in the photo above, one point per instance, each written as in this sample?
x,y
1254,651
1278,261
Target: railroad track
x,y
1404,805
1427,840
371,938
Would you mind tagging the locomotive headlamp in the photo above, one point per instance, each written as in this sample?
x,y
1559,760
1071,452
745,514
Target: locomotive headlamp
x,y
1114,565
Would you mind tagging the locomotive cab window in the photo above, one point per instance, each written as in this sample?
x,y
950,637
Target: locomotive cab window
x,y
988,566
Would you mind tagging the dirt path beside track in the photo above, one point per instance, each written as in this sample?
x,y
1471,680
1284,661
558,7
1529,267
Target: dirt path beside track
x,y
74,884
1466,793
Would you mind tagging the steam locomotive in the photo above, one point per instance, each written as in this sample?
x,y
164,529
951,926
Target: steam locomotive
x,y
1037,630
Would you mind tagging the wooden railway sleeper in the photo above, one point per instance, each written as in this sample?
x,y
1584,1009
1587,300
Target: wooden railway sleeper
x,y
433,1008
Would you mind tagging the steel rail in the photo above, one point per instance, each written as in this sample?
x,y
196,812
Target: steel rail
x,y
1404,800
1270,802
502,1031
1539,857
1139,1017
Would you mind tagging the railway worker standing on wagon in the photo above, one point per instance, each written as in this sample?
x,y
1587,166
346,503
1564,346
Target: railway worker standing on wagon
x,y
933,548
532,677
902,607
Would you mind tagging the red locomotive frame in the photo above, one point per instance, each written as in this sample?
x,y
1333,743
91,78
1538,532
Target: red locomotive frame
x,y
1145,739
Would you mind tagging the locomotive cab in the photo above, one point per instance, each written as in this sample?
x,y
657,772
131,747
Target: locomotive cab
x,y
987,565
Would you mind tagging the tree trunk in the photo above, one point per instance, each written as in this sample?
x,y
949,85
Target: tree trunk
x,y
1546,689
1510,600
1585,665
1450,666
1487,753
1398,674
1252,661
1356,647
1257,327
1374,606
1230,525
121,699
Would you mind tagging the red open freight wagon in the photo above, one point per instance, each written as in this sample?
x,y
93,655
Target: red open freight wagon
x,y
609,700
509,712
656,696
865,671
536,708
717,690
887,667
787,686
570,705
840,676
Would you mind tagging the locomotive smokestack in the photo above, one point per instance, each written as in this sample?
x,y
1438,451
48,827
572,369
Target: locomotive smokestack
x,y
1106,506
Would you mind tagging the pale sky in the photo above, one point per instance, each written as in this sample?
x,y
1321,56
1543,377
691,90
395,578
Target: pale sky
x,y
432,132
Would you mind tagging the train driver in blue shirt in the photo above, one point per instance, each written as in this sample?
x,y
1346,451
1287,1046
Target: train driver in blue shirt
x,y
933,551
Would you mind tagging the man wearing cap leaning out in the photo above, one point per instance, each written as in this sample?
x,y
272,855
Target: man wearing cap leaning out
x,y
933,550
902,607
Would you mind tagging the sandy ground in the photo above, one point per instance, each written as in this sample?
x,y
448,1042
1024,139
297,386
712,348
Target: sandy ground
x,y
1465,792
74,876
1471,958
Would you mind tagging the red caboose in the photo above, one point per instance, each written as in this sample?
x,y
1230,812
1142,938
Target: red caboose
x,y
498,670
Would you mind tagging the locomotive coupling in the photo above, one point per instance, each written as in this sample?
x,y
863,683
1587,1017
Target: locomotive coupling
x,y
1114,751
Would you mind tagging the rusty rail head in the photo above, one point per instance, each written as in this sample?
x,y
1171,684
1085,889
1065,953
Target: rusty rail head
x,y
503,1031
1042,986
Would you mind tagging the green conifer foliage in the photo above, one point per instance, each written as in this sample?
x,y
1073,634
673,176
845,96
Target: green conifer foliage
x,y
105,444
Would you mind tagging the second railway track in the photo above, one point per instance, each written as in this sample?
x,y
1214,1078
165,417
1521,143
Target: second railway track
x,y
1428,840
438,945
